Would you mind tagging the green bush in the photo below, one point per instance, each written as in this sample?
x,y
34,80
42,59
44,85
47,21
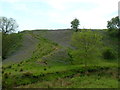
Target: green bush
x,y
113,33
108,53
21,70
26,74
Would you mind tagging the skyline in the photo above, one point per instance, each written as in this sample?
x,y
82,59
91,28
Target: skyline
x,y
57,14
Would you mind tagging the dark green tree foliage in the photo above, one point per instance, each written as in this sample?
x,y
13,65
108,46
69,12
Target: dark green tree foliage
x,y
8,25
75,24
108,53
114,26
114,23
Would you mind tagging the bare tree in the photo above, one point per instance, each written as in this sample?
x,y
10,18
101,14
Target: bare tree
x,y
8,25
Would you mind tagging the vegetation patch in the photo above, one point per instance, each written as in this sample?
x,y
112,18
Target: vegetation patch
x,y
55,66
10,44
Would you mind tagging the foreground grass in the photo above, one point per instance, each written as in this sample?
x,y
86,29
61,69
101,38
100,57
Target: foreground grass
x,y
78,81
68,73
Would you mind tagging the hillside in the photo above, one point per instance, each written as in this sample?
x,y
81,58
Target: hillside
x,y
25,51
43,61
29,43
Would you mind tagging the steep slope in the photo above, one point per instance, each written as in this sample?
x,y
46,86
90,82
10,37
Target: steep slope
x,y
25,51
61,37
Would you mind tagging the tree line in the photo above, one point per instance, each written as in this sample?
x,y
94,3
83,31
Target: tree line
x,y
9,25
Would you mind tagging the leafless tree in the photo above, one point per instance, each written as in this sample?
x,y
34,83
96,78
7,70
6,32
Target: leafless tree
x,y
8,25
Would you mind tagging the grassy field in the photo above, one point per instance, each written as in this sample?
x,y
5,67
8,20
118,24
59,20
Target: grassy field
x,y
77,81
33,75
49,65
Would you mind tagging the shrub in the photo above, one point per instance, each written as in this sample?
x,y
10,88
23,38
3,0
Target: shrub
x,y
9,66
21,62
113,33
3,68
109,54
27,74
18,64
70,57
6,75
21,70
2,71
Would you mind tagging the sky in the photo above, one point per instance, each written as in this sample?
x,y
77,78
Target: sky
x,y
57,14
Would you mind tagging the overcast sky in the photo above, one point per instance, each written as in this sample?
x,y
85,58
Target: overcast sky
x,y
57,14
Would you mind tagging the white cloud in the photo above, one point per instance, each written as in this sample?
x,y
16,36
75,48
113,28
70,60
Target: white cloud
x,y
60,13
95,18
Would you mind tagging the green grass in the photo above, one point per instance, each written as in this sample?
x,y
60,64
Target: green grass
x,y
32,73
78,81
43,70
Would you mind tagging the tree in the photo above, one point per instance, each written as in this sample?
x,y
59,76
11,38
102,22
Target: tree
x,y
87,45
9,39
114,30
75,24
114,23
7,25
114,27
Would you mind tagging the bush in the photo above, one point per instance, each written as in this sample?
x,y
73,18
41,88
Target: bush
x,y
6,75
21,70
109,53
9,66
27,74
113,33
